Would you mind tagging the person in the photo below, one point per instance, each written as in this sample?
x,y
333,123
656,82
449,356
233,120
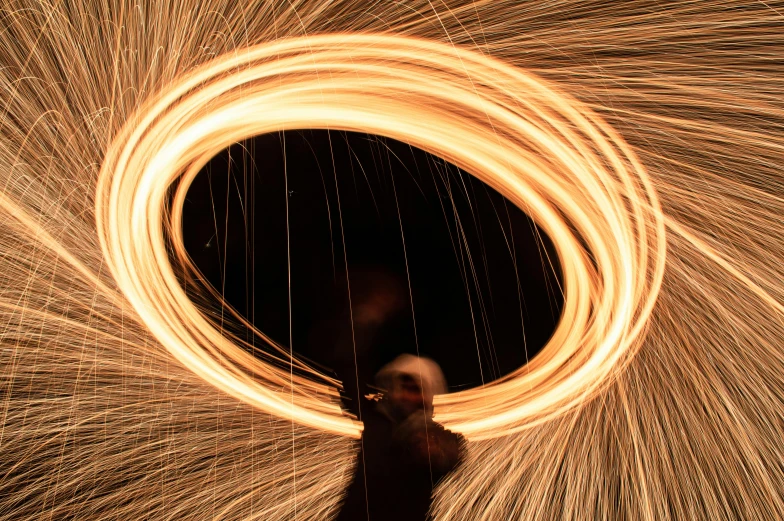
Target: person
x,y
403,452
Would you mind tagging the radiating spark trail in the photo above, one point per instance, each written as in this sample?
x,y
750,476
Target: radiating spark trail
x,y
648,144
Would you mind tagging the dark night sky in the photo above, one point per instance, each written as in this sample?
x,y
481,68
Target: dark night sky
x,y
466,248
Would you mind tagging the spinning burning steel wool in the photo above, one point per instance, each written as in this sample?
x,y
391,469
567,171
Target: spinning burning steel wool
x,y
647,144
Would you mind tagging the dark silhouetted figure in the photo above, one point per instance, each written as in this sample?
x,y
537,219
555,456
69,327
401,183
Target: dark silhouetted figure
x,y
403,453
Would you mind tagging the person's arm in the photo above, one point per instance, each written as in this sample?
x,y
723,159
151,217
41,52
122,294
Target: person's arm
x,y
430,444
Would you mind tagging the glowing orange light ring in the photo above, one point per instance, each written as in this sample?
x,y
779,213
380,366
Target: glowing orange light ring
x,y
539,147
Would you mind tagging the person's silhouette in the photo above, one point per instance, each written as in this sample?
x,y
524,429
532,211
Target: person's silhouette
x,y
403,453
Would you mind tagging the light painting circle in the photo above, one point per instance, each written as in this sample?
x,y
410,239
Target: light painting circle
x,y
539,147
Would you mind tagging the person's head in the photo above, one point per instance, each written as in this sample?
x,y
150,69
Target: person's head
x,y
409,383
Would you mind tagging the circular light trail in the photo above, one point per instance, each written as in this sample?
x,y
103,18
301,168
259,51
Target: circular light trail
x,y
660,397
547,153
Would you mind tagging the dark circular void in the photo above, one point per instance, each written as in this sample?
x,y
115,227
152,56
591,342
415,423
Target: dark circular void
x,y
437,262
